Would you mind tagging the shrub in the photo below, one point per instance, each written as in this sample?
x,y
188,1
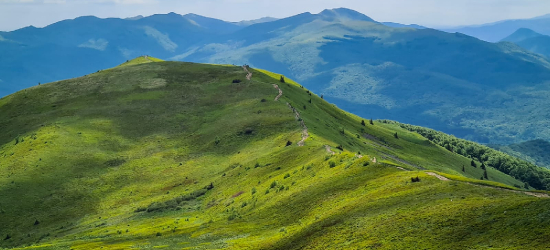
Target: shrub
x,y
282,79
309,100
253,190
366,163
363,122
36,222
237,81
371,122
273,184
286,175
473,163
263,100
415,179
217,140
304,107
340,147
288,143
332,164
244,204
159,234
395,135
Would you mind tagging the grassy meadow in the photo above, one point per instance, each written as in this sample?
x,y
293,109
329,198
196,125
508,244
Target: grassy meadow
x,y
174,155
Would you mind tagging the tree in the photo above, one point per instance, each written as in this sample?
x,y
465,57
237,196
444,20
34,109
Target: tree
x,y
371,122
473,163
483,166
395,135
282,79
322,97
463,169
485,174
363,122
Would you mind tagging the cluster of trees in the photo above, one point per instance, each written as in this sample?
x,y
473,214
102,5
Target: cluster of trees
x,y
527,172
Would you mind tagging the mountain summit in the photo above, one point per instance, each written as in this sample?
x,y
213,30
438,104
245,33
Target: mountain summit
x,y
344,14
521,35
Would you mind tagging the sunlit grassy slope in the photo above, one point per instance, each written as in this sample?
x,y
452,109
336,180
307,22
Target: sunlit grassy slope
x,y
174,155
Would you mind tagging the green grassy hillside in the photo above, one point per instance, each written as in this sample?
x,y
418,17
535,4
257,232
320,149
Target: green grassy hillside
x,y
176,156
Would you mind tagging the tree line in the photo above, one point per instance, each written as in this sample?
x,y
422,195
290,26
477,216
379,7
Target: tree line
x,y
527,172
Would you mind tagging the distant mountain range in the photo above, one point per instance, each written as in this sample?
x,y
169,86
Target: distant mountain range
x,y
492,93
494,32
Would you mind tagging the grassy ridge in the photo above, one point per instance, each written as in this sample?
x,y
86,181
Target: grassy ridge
x,y
83,160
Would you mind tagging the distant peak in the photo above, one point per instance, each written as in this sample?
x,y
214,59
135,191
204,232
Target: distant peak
x,y
135,17
345,14
521,34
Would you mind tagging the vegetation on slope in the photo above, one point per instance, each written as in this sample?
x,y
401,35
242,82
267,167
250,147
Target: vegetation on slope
x,y
525,171
535,151
174,155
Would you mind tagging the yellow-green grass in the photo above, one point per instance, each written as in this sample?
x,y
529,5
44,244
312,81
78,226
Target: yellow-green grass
x,y
81,156
140,60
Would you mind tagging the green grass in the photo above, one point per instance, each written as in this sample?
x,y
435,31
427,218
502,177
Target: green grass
x,y
82,155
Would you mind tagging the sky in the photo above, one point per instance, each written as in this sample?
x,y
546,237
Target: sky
x,y
16,14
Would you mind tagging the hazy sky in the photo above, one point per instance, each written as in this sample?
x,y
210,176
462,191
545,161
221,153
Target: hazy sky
x,y
433,13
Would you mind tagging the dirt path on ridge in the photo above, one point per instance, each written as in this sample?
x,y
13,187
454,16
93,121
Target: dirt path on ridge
x,y
248,73
539,195
280,92
305,133
329,150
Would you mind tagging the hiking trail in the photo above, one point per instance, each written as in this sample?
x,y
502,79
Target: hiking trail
x,y
280,92
539,195
305,133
